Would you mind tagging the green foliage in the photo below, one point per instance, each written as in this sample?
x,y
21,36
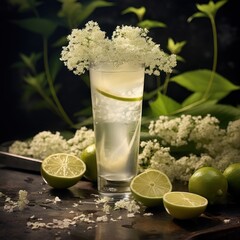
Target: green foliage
x,y
41,67
75,12
44,27
163,105
42,81
197,80
25,5
207,10
139,12
176,48
151,24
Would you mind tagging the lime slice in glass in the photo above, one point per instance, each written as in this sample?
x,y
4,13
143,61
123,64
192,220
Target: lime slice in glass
x,y
184,205
62,170
150,186
120,98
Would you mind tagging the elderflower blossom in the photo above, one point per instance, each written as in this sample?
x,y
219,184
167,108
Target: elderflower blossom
x,y
22,201
172,131
207,144
233,133
83,137
156,157
128,44
187,165
46,143
20,148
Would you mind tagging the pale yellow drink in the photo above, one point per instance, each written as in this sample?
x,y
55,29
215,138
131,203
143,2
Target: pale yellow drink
x,y
117,109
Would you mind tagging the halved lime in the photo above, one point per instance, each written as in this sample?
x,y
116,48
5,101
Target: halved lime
x,y
88,156
184,205
150,186
62,170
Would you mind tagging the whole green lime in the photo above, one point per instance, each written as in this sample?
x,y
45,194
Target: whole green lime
x,y
232,173
88,156
210,183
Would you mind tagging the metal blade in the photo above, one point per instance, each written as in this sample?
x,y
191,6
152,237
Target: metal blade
x,y
19,162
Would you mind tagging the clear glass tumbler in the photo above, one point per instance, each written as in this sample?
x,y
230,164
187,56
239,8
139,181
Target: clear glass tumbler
x,y
116,93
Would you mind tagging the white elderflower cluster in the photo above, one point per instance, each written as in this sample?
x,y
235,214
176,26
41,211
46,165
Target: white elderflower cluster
x,y
185,166
46,143
128,44
20,148
206,142
233,134
23,200
82,138
10,204
181,130
156,157
130,205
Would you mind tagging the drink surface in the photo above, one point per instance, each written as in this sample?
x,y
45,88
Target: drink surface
x,y
117,107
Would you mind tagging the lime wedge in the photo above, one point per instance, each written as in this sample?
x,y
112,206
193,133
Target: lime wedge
x,y
150,186
184,205
62,170
126,99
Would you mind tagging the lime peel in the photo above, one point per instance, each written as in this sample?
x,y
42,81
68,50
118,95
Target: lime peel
x,y
88,156
126,99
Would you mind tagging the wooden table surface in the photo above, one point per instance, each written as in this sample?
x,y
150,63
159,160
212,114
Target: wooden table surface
x,y
218,222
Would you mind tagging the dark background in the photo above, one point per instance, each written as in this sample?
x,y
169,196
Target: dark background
x,y
18,122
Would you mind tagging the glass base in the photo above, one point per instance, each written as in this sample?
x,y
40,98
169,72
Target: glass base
x,y
116,190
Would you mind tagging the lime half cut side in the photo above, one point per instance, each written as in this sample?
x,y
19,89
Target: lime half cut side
x,y
150,186
62,170
120,98
184,205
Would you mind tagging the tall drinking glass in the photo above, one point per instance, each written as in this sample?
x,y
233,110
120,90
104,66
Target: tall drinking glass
x,y
116,93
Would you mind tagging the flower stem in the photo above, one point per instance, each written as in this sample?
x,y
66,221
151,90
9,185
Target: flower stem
x,y
215,56
165,85
61,111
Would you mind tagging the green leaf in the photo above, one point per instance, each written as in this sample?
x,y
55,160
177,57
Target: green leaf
x,y
153,93
42,26
30,61
37,81
180,59
224,113
198,96
24,5
70,10
163,105
196,15
90,8
140,12
207,10
151,24
211,8
55,64
175,48
62,41
197,81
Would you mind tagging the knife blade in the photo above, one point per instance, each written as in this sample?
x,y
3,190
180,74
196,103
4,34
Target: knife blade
x,y
19,162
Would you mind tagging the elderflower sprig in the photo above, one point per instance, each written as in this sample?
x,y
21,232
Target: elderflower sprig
x,y
216,147
128,44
